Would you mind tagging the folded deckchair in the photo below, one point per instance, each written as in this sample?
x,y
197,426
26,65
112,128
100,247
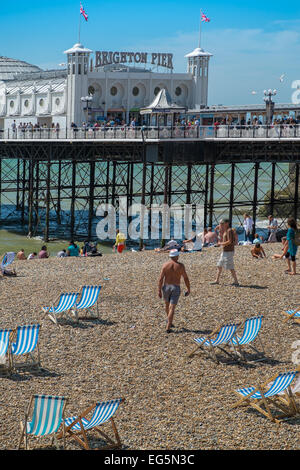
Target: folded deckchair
x,y
77,427
208,345
292,315
25,345
263,400
5,364
252,327
89,298
8,258
65,303
47,417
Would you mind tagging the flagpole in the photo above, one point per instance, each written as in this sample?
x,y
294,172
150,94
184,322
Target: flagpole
x,y
200,29
79,25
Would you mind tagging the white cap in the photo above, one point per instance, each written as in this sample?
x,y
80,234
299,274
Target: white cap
x,y
174,253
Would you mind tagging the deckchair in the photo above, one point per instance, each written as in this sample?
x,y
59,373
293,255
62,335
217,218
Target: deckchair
x,y
4,350
252,327
292,315
8,259
89,298
47,417
261,399
208,345
77,427
65,303
26,343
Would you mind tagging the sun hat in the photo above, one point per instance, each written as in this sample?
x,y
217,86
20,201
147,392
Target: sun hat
x,y
174,253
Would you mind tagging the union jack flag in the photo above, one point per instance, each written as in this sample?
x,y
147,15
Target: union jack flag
x,y
204,18
83,13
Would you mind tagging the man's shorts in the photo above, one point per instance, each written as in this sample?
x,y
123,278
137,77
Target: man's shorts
x,y
120,248
226,260
171,293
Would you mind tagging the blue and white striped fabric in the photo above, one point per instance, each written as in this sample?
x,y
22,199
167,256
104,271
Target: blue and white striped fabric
x,y
7,259
103,412
66,302
224,336
27,339
251,330
291,312
280,384
89,296
46,416
4,341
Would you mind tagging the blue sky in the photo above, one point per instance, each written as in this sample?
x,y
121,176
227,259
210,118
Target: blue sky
x,y
253,43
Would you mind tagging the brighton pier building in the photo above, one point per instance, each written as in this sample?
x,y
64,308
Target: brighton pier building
x,y
118,85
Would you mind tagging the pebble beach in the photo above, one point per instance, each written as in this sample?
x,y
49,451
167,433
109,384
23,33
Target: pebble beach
x,y
172,402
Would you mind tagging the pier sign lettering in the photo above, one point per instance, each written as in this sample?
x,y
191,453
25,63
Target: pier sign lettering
x,y
155,58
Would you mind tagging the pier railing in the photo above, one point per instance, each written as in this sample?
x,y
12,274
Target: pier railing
x,y
289,131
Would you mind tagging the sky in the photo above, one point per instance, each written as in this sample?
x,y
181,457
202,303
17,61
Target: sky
x,y
253,43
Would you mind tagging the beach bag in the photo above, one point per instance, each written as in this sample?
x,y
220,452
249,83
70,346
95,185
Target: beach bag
x,y
297,238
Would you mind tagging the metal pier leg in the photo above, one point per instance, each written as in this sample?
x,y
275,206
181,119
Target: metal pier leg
x,y
211,196
91,198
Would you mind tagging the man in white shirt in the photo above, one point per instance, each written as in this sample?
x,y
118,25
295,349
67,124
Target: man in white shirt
x,y
248,225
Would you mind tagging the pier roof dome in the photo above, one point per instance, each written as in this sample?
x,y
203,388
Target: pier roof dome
x,y
10,69
199,52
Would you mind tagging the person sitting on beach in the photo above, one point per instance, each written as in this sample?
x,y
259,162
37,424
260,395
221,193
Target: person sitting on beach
x,y
62,254
21,255
257,251
32,256
87,248
43,253
210,238
196,243
73,249
258,239
169,285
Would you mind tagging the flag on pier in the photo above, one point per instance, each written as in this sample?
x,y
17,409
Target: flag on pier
x,y
204,18
83,13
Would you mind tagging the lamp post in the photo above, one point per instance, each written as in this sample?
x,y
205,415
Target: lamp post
x,y
270,105
86,100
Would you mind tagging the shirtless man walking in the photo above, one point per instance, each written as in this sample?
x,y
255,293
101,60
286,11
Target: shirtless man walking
x,y
169,285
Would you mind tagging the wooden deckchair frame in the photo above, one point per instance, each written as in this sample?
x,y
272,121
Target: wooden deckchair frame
x,y
212,348
291,316
286,405
34,362
81,436
23,425
241,349
6,369
76,312
53,316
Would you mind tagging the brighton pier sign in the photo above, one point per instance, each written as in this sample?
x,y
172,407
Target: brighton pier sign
x,y
155,58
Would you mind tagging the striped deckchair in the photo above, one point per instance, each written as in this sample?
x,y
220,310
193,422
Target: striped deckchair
x,y
261,399
47,417
26,343
5,363
208,345
66,302
76,427
89,298
292,315
8,259
252,327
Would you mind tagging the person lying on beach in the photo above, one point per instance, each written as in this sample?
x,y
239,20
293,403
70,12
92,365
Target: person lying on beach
x,y
8,272
21,255
171,245
169,285
257,251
